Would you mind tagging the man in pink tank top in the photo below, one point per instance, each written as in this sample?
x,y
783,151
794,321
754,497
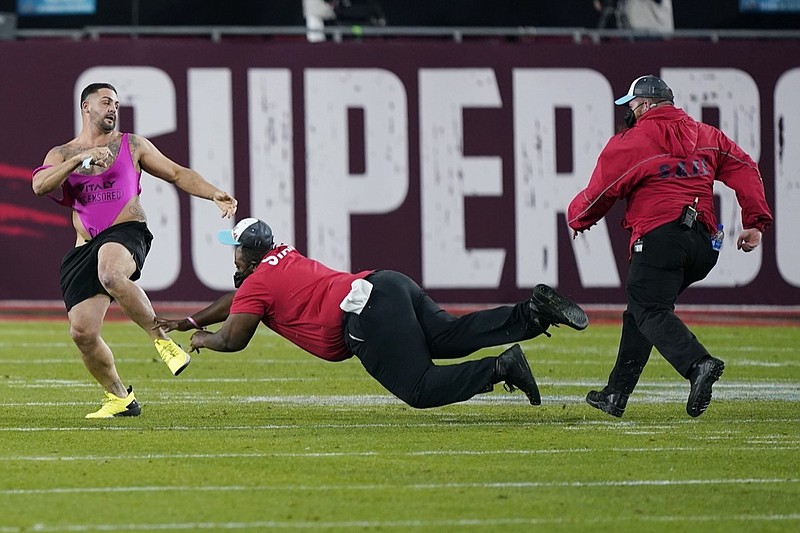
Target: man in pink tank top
x,y
98,175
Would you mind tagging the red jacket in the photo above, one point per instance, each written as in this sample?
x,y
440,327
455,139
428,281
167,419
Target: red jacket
x,y
660,165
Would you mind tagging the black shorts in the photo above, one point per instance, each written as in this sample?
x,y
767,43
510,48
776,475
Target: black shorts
x,y
79,279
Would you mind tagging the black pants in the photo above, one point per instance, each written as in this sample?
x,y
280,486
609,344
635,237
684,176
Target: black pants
x,y
672,258
401,331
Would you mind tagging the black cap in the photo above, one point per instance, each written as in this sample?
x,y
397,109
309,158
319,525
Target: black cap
x,y
646,87
250,233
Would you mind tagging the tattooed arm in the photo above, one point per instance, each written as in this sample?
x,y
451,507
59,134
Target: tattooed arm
x,y
153,161
62,160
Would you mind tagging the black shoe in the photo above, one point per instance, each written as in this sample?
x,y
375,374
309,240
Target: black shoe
x,y
608,400
702,377
134,409
513,368
549,306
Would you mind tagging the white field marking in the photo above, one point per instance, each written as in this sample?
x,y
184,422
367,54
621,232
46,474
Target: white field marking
x,y
48,382
236,380
409,486
648,393
531,350
676,385
645,394
149,358
292,427
681,384
380,524
34,382
584,425
404,524
73,360
766,364
596,356
381,400
39,344
75,383
728,360
422,453
748,391
766,349
772,444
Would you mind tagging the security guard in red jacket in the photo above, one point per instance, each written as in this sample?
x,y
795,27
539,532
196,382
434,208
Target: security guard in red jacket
x,y
381,316
664,165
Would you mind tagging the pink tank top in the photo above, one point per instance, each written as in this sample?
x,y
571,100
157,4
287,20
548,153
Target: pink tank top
x,y
99,199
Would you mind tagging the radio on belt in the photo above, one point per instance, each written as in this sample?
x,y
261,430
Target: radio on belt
x,y
689,215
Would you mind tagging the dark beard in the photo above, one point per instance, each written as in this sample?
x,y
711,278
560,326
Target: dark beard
x,y
105,127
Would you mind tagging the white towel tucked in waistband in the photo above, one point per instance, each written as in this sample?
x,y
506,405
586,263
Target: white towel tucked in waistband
x,y
356,299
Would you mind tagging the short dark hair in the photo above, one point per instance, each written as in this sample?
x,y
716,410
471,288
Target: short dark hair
x,y
93,88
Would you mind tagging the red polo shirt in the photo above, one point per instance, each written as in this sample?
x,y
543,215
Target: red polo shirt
x,y
298,298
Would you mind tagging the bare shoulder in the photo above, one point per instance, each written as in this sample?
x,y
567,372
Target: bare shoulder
x,y
61,153
137,142
139,146
134,140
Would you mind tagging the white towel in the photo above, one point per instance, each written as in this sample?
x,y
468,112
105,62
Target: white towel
x,y
356,299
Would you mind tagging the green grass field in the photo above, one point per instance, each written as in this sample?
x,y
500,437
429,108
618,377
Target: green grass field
x,y
274,439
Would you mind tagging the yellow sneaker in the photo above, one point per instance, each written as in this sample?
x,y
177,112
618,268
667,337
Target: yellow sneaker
x,y
173,355
116,406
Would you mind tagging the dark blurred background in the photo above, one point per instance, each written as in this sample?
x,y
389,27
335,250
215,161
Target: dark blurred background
x,y
688,14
